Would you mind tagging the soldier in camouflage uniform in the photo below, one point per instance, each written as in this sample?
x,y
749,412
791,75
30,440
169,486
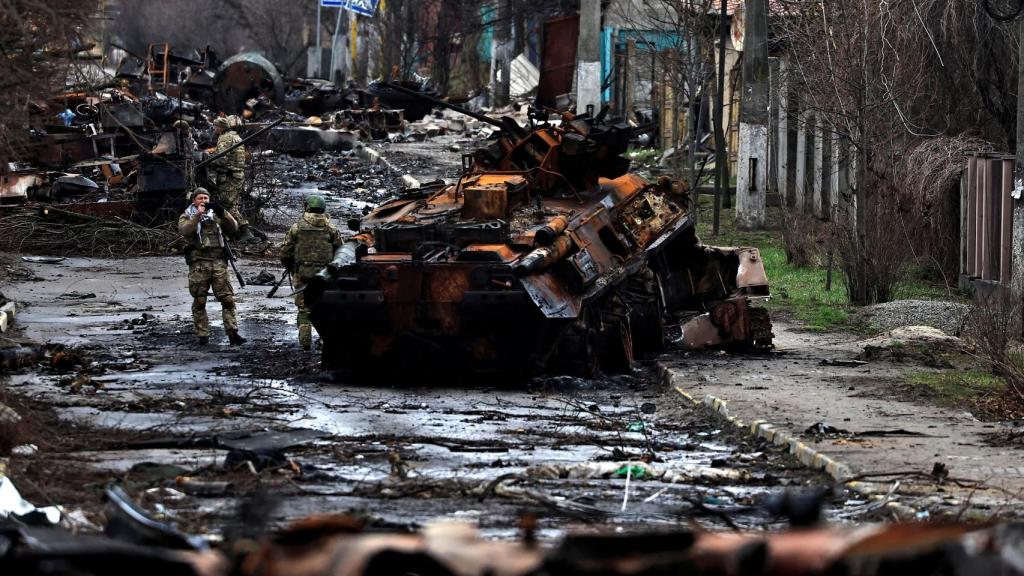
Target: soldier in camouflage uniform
x,y
204,224
308,247
229,171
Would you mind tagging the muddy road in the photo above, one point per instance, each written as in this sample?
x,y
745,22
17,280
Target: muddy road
x,y
193,431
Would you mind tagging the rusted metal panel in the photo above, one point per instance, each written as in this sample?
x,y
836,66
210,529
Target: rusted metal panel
x,y
486,198
245,76
967,218
979,230
545,252
993,219
751,277
558,59
550,297
986,218
728,321
1006,226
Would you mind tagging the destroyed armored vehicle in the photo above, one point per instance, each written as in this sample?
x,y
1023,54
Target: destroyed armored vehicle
x,y
546,255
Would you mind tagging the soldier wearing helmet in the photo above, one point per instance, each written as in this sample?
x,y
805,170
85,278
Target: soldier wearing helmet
x,y
308,247
188,142
229,170
203,224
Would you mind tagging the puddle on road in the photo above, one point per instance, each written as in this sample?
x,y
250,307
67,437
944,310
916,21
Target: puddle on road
x,y
402,457
398,456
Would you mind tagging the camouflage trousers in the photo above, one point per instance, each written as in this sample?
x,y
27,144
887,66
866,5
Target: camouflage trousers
x,y
229,195
203,275
302,320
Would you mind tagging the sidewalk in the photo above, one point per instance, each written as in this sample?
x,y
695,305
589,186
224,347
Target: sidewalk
x,y
780,395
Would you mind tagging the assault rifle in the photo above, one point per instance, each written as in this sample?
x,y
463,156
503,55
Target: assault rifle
x,y
285,274
230,256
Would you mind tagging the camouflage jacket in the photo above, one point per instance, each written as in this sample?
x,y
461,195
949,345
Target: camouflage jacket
x,y
309,244
205,236
233,161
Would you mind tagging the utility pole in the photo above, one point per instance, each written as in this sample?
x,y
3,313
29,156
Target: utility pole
x,y
752,170
721,161
502,53
316,41
588,57
1017,244
334,43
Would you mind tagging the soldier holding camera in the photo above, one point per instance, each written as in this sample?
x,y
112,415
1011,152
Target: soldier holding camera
x,y
204,224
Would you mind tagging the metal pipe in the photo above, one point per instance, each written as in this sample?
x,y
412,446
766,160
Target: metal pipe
x,y
240,143
346,254
546,234
544,257
442,103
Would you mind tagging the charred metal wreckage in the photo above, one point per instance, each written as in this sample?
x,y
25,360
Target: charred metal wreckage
x,y
335,545
545,254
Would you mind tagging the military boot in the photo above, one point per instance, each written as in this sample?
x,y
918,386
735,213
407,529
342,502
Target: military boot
x,y
306,337
235,338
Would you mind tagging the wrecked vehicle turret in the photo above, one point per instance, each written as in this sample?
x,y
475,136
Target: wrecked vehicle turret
x,y
546,255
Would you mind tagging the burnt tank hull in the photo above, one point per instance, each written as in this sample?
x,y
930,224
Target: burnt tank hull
x,y
433,316
545,256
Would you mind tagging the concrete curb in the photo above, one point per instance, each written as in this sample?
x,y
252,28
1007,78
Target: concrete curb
x,y
806,455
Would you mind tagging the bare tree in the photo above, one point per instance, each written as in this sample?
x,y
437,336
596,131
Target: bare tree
x,y
680,59
885,76
399,23
37,39
184,24
274,28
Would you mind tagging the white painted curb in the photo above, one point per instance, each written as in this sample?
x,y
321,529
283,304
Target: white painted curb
x,y
805,454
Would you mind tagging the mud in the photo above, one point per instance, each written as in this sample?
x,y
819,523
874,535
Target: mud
x,y
399,453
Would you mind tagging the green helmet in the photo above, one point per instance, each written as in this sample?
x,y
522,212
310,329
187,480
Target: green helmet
x,y
315,203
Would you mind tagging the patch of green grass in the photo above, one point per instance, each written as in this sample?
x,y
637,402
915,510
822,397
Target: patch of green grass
x,y
796,292
644,155
953,388
800,292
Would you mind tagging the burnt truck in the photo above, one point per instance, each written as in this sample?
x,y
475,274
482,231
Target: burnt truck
x,y
546,255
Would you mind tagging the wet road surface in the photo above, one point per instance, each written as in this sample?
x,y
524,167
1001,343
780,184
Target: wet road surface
x,y
578,454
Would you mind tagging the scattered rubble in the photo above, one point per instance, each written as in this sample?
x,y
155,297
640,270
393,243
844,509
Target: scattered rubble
x,y
949,317
546,234
918,344
336,544
115,166
14,507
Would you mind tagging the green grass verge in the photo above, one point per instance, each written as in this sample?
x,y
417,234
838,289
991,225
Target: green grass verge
x,y
953,388
799,292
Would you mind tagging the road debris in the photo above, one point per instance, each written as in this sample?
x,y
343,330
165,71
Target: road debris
x,y
329,545
843,363
13,506
546,254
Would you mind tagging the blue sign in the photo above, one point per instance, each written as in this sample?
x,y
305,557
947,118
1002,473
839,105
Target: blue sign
x,y
361,7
